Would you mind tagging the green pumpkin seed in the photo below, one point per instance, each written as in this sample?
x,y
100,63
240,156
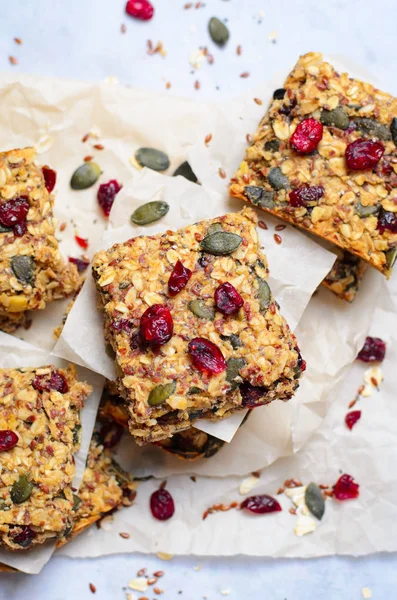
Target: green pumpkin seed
x,y
150,212
393,130
152,159
77,501
214,227
5,229
391,257
23,268
314,500
365,211
259,196
233,339
218,31
201,310
277,179
85,176
21,490
110,352
272,145
192,391
279,94
264,294
221,243
76,434
335,118
234,365
161,393
185,170
372,128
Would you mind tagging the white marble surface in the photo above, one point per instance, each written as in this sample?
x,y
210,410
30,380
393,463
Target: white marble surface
x,y
82,40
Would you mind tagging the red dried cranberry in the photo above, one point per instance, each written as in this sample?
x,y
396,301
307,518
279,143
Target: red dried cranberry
x,y
80,263
178,279
374,350
352,417
122,325
82,242
387,220
20,229
25,537
56,381
162,505
50,178
301,363
140,9
13,214
110,434
305,195
206,356
306,136
8,439
106,194
227,299
261,504
156,327
363,154
252,396
345,488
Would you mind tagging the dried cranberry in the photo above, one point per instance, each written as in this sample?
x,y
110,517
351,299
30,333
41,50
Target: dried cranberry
x,y
387,220
178,279
156,327
306,136
106,194
206,356
110,434
252,395
227,299
162,505
80,263
352,417
140,9
56,381
122,325
50,178
345,488
82,242
8,439
25,537
305,195
363,154
261,504
13,214
374,350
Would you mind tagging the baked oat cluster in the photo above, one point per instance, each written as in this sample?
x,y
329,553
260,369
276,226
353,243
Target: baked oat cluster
x,y
39,435
324,158
32,270
194,326
346,274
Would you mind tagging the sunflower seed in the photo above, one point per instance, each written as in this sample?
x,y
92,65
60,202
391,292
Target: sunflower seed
x,y
150,212
152,159
85,176
161,393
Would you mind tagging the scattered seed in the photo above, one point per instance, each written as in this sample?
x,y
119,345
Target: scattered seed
x,y
197,85
188,5
210,59
158,590
258,101
164,555
207,139
262,224
168,85
143,598
152,159
222,173
246,178
141,572
352,403
292,483
280,227
218,31
62,226
280,490
277,238
248,137
85,176
323,486
13,60
158,573
88,158
239,50
150,212
123,28
98,146
18,41
152,580
124,535
292,511
92,588
149,45
85,137
244,75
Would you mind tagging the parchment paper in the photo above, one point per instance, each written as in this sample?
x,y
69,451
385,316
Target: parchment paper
x,y
15,353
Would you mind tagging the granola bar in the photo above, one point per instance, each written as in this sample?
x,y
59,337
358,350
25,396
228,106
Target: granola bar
x,y
345,276
183,355
39,434
32,270
324,158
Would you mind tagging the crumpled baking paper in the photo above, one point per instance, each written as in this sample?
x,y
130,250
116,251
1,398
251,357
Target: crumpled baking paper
x,y
15,353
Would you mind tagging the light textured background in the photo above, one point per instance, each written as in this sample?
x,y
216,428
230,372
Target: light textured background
x,y
82,40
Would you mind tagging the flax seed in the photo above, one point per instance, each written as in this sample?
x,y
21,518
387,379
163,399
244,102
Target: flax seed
x,y
262,224
168,85
88,158
292,511
207,139
352,403
197,85
18,41
239,50
62,227
158,573
85,137
13,60
222,173
244,75
124,535
92,588
141,572
258,101
248,137
98,146
280,227
277,238
123,28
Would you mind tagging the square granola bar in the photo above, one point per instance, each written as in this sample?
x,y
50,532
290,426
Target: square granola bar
x,y
194,326
32,270
39,435
324,158
345,277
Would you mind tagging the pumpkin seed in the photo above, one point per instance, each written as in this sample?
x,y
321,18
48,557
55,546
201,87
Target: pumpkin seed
x,y
110,352
264,294
76,434
161,393
214,227
150,212
234,365
277,179
221,243
23,268
372,128
272,145
4,229
85,176
76,502
335,118
391,257
314,500
393,130
259,196
365,211
194,390
21,490
218,31
152,159
201,310
279,94
233,339
185,170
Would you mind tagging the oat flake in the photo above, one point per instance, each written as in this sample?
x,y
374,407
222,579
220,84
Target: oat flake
x,y
248,484
138,584
366,593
